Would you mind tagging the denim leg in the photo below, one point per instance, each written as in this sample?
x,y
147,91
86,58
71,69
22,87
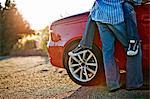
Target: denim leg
x,y
111,69
130,20
134,75
119,31
88,35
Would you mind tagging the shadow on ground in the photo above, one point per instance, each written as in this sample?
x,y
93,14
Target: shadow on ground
x,y
101,92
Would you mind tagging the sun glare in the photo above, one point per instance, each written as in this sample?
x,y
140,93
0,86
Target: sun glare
x,y
40,13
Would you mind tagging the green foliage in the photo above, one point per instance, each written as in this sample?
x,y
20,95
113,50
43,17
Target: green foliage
x,y
26,41
32,41
43,38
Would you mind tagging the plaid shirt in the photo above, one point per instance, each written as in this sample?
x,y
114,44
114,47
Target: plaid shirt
x,y
108,11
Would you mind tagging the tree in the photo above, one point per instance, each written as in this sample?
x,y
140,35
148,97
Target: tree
x,y
11,25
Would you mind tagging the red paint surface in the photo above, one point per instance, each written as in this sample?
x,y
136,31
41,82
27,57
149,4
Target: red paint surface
x,y
71,28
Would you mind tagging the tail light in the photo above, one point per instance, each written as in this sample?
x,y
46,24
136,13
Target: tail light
x,y
55,37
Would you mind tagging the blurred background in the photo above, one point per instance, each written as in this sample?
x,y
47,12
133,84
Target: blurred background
x,y
24,24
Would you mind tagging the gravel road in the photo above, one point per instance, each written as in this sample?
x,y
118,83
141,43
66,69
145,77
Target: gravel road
x,y
31,78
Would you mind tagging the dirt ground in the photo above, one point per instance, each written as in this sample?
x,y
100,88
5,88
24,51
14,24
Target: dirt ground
x,y
31,78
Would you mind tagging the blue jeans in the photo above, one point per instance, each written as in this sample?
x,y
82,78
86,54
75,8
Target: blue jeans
x,y
109,34
130,20
88,35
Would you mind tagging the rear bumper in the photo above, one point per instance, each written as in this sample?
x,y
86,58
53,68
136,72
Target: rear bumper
x,y
55,54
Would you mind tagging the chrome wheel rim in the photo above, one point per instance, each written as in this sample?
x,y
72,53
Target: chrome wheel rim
x,y
83,66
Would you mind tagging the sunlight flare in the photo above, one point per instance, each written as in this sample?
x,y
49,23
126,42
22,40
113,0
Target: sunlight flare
x,y
40,13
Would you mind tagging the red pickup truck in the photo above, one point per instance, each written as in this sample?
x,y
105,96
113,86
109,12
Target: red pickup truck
x,y
66,33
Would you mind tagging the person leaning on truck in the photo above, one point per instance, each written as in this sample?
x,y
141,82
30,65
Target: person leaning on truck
x,y
109,17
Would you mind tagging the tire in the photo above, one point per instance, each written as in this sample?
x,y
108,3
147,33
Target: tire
x,y
88,71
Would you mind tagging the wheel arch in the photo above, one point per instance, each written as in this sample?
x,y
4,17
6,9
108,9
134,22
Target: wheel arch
x,y
78,38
